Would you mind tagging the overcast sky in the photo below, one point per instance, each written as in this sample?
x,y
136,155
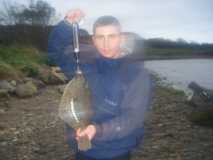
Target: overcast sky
x,y
191,20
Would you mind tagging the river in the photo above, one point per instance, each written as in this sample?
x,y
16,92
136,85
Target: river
x,y
179,73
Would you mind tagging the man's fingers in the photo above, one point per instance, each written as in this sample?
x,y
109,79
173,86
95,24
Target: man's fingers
x,y
80,132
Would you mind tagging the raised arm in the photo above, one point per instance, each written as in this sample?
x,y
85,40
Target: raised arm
x,y
60,49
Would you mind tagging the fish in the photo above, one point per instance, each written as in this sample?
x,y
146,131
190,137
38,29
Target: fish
x,y
75,107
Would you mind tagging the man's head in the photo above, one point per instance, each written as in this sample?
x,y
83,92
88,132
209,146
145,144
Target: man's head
x,y
107,36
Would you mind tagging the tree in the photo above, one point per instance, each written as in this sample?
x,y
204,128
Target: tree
x,y
35,13
6,14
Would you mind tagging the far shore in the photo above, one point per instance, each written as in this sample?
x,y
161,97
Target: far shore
x,y
155,57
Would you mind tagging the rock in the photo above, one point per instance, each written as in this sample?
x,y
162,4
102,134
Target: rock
x,y
26,90
52,76
39,84
4,93
36,149
13,82
155,147
61,88
5,85
3,144
202,98
44,74
56,71
4,106
199,103
160,125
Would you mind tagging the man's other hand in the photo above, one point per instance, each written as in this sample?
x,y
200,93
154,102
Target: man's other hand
x,y
74,15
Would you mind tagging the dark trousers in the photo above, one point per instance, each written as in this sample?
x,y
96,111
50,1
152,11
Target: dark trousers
x,y
125,156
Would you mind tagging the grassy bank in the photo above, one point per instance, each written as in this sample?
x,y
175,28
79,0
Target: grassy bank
x,y
18,61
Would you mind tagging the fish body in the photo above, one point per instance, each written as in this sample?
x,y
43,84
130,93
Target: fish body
x,y
75,107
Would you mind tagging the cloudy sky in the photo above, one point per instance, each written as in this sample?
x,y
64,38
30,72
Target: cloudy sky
x,y
191,20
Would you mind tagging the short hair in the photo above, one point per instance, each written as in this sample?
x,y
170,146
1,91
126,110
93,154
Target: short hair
x,y
105,21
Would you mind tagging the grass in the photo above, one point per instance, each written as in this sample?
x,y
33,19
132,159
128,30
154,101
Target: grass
x,y
17,61
8,72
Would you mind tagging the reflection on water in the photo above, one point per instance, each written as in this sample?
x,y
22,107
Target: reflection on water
x,y
180,73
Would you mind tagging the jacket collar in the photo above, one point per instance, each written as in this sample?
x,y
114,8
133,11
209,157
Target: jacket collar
x,y
105,64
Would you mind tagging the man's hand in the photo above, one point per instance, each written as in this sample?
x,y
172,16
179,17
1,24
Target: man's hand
x,y
75,15
89,131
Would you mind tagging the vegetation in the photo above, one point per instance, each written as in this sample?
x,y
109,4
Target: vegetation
x,y
17,61
26,24
164,48
37,12
203,118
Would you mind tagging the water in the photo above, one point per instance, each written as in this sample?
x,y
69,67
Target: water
x,y
179,73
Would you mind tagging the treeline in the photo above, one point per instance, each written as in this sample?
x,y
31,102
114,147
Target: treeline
x,y
180,43
37,36
31,25
33,35
28,24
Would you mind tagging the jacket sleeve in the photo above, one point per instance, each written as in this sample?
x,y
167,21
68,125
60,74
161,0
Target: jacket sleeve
x,y
60,48
134,109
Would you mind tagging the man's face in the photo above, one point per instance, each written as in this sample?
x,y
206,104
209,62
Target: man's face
x,y
107,40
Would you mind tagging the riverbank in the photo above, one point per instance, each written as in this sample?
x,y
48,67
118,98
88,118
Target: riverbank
x,y
31,130
169,132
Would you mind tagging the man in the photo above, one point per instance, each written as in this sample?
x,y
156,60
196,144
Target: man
x,y
120,87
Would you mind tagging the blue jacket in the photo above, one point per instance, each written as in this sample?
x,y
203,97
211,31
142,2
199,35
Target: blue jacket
x,y
121,91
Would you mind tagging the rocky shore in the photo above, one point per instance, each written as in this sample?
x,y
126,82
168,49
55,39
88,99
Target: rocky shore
x,y
30,129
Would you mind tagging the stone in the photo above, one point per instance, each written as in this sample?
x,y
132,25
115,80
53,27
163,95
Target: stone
x,y
44,74
61,88
7,86
3,144
4,105
13,82
4,93
52,76
58,75
2,111
27,89
39,84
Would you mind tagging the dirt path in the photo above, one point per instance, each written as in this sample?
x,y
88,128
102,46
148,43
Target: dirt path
x,y
30,130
